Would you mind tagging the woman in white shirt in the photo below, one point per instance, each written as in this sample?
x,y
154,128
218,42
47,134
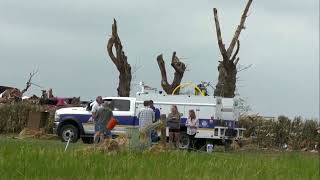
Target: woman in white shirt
x,y
192,124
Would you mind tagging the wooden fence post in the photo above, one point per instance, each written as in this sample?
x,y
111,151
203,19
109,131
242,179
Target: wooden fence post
x,y
163,119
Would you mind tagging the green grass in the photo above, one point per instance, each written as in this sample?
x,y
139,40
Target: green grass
x,y
39,159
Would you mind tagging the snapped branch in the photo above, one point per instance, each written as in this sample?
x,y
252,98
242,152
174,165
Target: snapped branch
x,y
239,28
237,51
219,36
29,82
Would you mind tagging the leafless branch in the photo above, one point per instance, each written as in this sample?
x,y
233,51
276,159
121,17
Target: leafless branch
x,y
29,83
237,60
244,68
239,28
237,51
222,48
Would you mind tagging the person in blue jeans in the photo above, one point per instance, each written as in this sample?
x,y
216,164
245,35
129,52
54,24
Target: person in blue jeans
x,y
104,114
154,134
146,117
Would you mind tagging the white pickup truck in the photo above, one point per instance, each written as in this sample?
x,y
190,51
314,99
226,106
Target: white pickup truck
x,y
218,117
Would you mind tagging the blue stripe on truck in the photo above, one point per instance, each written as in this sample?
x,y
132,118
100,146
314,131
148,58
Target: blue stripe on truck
x,y
83,118
134,121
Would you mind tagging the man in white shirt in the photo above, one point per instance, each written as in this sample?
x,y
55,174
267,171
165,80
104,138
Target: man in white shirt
x,y
96,106
146,116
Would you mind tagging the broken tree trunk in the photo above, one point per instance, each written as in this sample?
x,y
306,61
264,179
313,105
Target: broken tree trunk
x,y
179,68
227,68
120,60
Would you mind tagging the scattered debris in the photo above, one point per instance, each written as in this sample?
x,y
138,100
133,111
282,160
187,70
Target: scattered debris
x,y
10,94
109,145
36,134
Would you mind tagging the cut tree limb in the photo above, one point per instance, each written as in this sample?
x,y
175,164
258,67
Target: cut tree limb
x,y
179,68
120,60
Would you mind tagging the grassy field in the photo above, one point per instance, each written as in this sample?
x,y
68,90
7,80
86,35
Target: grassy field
x,y
40,159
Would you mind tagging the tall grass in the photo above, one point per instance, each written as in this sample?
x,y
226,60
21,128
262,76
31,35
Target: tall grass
x,y
47,160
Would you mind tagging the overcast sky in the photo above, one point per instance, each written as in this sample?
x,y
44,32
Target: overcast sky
x,y
66,41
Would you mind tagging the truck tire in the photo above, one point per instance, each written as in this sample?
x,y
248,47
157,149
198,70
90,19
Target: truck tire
x,y
184,140
87,140
69,131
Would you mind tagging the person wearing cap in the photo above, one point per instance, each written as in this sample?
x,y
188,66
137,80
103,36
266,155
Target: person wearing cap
x,y
103,116
96,106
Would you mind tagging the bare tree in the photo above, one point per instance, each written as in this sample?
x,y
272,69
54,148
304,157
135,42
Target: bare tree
x,y
179,68
29,82
227,68
120,60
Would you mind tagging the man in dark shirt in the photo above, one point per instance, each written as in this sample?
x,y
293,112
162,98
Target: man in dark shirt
x,y
155,110
154,134
104,114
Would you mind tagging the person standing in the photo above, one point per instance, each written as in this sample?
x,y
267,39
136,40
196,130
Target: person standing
x,y
146,116
192,125
104,115
154,134
173,123
155,110
95,107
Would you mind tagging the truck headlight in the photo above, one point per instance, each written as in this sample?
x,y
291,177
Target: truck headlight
x,y
56,117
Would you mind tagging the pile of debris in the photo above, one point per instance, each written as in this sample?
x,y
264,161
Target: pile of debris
x,y
118,144
11,95
35,134
134,140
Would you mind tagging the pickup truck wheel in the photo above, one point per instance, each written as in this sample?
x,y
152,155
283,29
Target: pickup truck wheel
x,y
69,131
184,140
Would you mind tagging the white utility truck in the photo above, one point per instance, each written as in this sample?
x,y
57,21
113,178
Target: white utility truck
x,y
218,117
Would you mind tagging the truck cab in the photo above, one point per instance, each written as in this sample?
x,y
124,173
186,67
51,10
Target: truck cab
x,y
76,122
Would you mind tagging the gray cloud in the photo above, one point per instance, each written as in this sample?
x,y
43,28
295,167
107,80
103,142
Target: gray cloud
x,y
66,41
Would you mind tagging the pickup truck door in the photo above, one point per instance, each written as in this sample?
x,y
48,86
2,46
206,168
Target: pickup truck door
x,y
123,111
